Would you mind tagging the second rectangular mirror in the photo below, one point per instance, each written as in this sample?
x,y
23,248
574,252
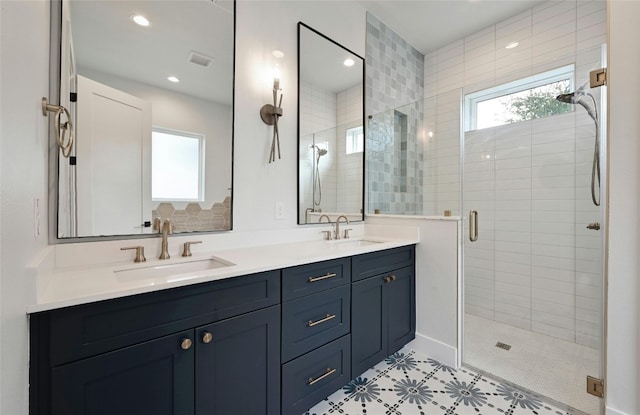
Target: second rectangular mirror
x,y
331,129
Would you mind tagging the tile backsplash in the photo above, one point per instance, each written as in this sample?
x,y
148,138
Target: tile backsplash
x,y
193,218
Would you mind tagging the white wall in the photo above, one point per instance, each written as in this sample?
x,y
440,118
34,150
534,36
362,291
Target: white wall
x,y
623,343
24,57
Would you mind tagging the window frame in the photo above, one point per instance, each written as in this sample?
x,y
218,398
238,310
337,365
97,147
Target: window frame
x,y
472,100
352,139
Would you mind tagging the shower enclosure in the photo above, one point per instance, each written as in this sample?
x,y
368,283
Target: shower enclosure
x,y
532,286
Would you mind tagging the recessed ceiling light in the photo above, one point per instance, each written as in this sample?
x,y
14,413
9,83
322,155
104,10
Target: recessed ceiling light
x,y
140,20
349,62
278,54
512,45
173,79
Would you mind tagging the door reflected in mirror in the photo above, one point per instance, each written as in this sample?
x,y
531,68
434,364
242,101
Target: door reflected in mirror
x,y
330,129
150,87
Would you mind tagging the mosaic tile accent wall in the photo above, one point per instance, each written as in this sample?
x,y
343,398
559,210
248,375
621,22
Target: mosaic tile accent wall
x,y
394,93
194,218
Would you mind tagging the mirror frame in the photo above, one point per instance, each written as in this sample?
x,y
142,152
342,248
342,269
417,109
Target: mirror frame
x,y
364,124
55,51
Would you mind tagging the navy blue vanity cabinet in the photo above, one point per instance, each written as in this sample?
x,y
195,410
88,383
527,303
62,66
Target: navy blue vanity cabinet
x,y
155,377
383,305
211,348
316,320
237,365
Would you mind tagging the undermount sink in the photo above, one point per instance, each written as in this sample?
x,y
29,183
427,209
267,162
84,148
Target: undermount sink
x,y
170,270
354,242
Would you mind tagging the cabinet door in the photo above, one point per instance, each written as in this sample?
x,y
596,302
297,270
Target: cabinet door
x,y
401,308
368,324
238,365
155,377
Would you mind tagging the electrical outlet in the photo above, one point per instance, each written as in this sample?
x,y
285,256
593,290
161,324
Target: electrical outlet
x,y
279,210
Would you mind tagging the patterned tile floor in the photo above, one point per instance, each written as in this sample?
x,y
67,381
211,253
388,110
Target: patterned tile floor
x,y
409,384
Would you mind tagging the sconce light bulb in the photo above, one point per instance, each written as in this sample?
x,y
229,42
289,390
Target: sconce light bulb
x,y
276,83
173,79
349,62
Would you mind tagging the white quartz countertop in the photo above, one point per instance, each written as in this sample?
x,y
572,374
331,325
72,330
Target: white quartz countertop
x,y
69,286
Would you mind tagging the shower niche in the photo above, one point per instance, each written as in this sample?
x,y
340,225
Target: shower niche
x,y
331,131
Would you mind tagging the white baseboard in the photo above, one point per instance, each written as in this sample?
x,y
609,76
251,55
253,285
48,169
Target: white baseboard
x,y
435,349
610,411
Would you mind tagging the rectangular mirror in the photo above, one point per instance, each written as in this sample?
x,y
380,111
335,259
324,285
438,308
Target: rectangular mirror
x,y
149,86
331,130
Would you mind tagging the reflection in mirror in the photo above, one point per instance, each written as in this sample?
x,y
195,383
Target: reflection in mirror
x,y
330,129
150,87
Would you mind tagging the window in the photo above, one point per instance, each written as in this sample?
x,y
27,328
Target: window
x,y
521,100
355,140
177,165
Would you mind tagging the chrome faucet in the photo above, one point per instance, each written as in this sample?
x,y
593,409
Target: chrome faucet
x,y
336,234
166,229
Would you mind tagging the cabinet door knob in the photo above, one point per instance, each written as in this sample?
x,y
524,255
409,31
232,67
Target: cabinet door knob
x,y
207,337
393,277
387,279
185,344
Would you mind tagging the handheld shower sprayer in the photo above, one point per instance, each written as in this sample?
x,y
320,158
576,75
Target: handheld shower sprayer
x,y
317,185
579,97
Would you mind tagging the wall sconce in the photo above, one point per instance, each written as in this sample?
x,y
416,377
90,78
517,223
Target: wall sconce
x,y
270,114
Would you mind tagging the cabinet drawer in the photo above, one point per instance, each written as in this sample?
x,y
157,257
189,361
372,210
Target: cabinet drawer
x,y
375,263
313,278
316,375
87,330
314,320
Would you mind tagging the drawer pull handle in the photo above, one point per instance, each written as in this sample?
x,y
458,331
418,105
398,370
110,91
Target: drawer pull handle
x,y
207,337
322,320
185,344
329,372
324,277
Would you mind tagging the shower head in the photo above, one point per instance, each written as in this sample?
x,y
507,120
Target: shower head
x,y
567,98
321,151
578,97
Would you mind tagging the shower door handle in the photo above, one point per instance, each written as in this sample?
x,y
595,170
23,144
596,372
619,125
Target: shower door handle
x,y
473,225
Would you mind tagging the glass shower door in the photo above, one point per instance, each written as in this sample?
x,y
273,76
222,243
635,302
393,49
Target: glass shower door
x,y
533,268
